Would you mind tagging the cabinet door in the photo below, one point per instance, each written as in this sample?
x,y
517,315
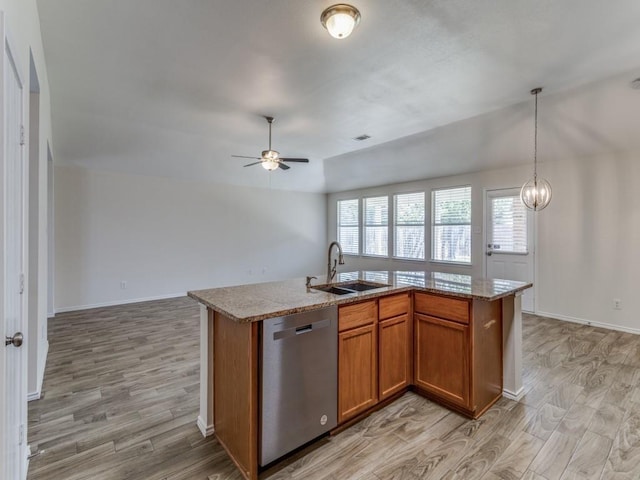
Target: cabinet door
x,y
357,371
393,354
442,358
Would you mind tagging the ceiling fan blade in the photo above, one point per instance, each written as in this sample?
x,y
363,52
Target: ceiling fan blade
x,y
300,160
254,163
242,156
283,166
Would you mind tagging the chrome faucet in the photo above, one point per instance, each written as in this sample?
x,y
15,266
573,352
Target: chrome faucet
x,y
331,271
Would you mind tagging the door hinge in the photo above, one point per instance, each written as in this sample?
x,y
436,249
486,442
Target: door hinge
x,y
21,134
21,283
21,434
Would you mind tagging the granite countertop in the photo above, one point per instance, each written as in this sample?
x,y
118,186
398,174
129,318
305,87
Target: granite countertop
x,y
255,302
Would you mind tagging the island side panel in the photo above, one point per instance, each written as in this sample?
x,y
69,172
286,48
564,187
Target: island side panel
x,y
205,419
512,346
235,363
487,362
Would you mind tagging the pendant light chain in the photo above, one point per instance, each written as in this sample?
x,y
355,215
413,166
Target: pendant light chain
x,y
535,143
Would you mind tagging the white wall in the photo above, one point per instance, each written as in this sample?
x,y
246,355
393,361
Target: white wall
x,y
588,236
167,236
23,27
589,239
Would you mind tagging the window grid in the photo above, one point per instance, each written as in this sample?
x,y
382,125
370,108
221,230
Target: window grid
x,y
451,225
409,224
349,226
376,226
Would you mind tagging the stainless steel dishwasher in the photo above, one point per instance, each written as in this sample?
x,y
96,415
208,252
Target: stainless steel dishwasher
x,y
299,380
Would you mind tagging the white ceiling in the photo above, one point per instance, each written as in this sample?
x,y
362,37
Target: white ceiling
x,y
174,88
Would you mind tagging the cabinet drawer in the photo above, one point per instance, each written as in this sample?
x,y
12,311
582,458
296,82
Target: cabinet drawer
x,y
394,305
357,315
443,307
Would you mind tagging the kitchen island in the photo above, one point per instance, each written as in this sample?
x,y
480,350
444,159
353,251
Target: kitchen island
x,y
452,338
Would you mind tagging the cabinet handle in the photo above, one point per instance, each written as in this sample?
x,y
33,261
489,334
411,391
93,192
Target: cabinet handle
x,y
489,323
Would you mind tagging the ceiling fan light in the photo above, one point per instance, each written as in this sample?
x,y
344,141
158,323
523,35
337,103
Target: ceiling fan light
x,y
270,164
270,155
340,20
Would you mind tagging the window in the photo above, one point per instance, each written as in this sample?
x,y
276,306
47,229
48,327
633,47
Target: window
x,y
348,226
451,225
376,226
409,226
509,224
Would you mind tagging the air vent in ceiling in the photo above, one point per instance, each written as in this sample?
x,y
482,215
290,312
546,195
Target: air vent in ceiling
x,y
362,137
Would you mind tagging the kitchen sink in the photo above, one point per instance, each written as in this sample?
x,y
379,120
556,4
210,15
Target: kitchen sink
x,y
333,289
361,286
350,287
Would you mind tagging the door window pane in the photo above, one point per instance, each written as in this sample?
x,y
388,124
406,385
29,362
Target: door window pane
x,y
509,224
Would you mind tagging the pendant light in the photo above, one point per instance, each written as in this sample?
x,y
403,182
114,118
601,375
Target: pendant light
x,y
536,193
340,20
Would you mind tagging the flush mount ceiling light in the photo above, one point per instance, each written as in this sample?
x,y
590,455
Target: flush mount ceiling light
x,y
340,20
536,193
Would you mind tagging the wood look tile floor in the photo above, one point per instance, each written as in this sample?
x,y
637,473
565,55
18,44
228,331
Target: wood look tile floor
x,y
121,395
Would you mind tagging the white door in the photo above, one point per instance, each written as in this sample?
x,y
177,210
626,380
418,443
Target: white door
x,y
510,240
13,206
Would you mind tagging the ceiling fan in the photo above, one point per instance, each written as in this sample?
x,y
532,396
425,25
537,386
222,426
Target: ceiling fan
x,y
271,159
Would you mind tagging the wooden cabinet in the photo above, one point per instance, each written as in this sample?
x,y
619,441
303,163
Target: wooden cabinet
x,y
394,345
357,359
458,351
442,358
449,348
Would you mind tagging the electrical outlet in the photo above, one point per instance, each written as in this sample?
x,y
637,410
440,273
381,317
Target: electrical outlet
x,y
617,304
123,284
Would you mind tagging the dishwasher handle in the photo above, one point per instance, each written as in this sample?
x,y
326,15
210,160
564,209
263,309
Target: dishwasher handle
x,y
304,329
301,330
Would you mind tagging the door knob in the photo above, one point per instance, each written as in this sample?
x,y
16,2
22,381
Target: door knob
x,y
16,340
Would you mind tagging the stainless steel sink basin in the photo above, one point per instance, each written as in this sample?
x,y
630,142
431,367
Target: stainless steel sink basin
x,y
360,286
333,289
349,287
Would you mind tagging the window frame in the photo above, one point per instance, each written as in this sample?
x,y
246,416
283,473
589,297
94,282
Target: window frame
x,y
358,225
363,250
395,224
469,224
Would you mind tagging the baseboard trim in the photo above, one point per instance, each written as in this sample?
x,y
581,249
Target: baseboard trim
x,y
513,396
206,431
34,395
31,396
608,326
118,302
